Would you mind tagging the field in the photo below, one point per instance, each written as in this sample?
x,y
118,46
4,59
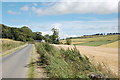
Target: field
x,y
98,48
98,55
7,44
112,45
68,63
94,40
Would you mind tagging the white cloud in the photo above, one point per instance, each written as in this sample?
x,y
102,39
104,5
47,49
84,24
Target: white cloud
x,y
25,8
48,4
57,26
35,4
96,21
64,7
54,25
13,13
63,36
78,28
46,32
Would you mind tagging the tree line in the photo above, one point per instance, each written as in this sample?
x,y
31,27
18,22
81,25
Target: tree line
x,y
89,36
25,34
103,34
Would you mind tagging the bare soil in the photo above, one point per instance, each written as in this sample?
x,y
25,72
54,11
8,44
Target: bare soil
x,y
39,70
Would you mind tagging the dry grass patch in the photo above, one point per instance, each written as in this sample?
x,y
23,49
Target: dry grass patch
x,y
8,44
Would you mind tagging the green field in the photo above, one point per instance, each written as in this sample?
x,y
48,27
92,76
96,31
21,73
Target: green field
x,y
94,40
112,45
96,43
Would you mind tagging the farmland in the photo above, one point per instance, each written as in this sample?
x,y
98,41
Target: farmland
x,y
112,45
98,48
94,40
100,55
67,63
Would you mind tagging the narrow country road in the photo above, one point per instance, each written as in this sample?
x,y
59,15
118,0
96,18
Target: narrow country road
x,y
15,64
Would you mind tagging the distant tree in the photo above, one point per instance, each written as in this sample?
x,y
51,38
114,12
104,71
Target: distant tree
x,y
47,38
55,36
21,34
6,32
68,41
37,36
26,33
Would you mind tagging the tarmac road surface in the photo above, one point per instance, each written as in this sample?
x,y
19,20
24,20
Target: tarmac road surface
x,y
15,65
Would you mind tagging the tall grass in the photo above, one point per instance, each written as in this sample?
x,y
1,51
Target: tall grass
x,y
10,44
68,63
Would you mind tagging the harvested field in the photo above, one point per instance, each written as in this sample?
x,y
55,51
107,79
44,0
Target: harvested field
x,y
108,56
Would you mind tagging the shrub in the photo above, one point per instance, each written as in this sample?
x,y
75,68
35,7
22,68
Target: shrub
x,y
68,41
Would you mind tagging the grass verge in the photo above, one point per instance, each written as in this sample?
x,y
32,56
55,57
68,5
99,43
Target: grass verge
x,y
13,50
8,44
31,66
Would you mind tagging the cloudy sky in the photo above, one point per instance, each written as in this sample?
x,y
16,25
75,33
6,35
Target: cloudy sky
x,y
71,18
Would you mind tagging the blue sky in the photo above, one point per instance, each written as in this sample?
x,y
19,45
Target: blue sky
x,y
71,18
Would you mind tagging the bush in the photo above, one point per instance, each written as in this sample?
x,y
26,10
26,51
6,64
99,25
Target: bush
x,y
68,41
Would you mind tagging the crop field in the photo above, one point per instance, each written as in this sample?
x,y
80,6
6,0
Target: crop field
x,y
94,40
98,55
112,45
7,44
67,63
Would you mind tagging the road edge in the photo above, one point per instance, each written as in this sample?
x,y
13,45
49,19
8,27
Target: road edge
x,y
13,50
31,66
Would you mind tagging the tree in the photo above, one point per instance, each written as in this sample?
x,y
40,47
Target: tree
x,y
6,32
55,36
37,36
68,41
21,34
26,33
47,38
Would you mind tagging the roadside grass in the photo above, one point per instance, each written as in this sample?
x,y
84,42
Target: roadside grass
x,y
31,71
36,70
10,52
61,63
31,66
8,44
94,40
